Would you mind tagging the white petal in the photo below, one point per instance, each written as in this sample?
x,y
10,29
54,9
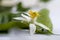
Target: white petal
x,y
27,13
19,18
32,29
42,25
26,17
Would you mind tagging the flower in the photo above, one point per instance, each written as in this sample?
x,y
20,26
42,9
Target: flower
x,y
31,18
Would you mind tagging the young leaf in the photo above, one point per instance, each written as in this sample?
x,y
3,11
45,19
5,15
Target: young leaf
x,y
44,19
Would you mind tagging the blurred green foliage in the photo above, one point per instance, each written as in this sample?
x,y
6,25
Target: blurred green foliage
x,y
44,0
5,9
6,20
21,8
0,2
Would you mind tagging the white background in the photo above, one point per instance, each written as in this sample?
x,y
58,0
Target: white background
x,y
54,8
55,15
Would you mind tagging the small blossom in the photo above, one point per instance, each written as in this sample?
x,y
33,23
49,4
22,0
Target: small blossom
x,y
31,19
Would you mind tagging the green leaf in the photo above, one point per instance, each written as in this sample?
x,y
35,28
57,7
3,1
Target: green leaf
x,y
6,20
21,8
44,19
7,26
21,25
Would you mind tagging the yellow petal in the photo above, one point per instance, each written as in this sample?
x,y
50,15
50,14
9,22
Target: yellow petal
x,y
33,14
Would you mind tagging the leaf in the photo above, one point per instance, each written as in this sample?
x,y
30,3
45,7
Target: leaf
x,y
21,8
21,25
44,19
7,26
6,20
